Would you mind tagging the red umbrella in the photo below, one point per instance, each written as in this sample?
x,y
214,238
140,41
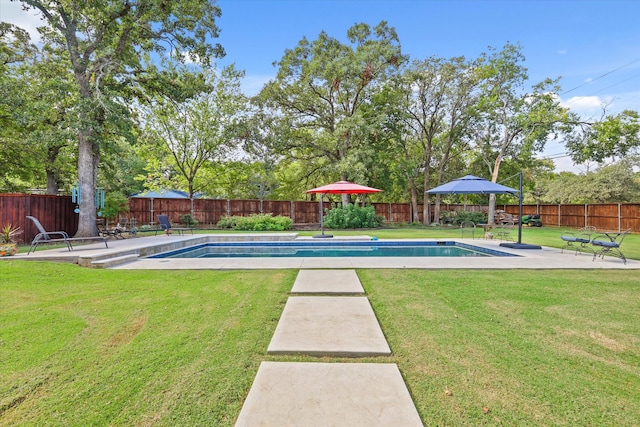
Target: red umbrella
x,y
343,187
340,187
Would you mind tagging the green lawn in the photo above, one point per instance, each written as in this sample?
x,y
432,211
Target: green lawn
x,y
115,347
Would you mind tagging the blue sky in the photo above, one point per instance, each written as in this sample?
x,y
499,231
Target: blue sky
x,y
594,46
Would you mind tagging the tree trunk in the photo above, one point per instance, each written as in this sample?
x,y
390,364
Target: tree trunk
x,y
436,210
492,197
426,220
87,170
414,200
52,175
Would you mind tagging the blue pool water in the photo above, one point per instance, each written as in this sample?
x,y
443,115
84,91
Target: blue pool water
x,y
315,249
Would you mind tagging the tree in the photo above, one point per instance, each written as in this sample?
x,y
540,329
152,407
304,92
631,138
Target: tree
x,y
513,122
438,98
107,43
320,92
610,137
200,130
614,183
17,165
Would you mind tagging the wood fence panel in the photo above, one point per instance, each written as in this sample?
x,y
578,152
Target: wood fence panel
x,y
604,217
212,211
307,212
630,217
57,212
276,208
548,214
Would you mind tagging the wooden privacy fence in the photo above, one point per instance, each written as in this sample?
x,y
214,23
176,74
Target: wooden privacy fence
x,y
54,212
57,212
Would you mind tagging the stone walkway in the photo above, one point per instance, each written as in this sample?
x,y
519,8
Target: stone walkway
x,y
327,315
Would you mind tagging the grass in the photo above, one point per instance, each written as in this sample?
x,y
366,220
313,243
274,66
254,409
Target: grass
x,y
546,236
96,347
89,347
115,347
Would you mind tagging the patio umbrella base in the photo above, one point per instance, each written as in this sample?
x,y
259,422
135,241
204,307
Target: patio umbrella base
x,y
322,236
519,245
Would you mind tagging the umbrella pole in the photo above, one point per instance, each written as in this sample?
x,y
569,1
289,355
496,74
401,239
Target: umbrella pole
x,y
321,215
519,244
520,208
321,235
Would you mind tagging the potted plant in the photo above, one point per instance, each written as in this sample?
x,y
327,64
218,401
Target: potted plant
x,y
8,242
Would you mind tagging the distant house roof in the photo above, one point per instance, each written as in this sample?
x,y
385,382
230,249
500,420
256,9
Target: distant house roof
x,y
163,194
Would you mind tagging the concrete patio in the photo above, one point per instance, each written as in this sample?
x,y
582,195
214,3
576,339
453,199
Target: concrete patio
x,y
130,254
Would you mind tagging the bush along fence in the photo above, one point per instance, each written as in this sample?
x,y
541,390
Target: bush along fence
x,y
57,212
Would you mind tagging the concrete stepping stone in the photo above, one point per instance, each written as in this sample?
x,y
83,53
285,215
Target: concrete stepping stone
x,y
342,326
328,394
324,282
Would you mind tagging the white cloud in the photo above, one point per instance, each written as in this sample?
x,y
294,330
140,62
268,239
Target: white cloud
x,y
29,20
586,106
563,51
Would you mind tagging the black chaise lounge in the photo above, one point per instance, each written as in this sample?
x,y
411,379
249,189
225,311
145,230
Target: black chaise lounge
x,y
45,236
579,240
609,244
165,225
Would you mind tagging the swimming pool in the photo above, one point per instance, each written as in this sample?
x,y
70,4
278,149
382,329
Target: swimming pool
x,y
315,249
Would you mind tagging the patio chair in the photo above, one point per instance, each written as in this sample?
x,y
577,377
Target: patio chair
x,y
609,244
503,231
165,225
45,236
468,226
109,232
579,240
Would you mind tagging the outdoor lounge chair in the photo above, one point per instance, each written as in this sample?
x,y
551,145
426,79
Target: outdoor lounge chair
x,y
165,225
609,244
45,236
109,232
579,240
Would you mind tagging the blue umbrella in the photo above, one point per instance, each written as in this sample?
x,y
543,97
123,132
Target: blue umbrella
x,y
472,185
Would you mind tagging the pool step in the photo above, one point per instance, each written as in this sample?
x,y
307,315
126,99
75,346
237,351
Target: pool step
x,y
111,262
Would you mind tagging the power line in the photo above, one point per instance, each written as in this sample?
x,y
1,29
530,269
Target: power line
x,y
599,77
615,84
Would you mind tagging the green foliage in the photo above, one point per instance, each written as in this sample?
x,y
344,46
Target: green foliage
x,y
458,217
352,216
321,97
114,205
9,233
615,183
259,222
613,136
188,220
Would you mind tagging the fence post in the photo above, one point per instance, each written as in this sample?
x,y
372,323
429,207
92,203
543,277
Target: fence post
x,y
228,207
586,218
619,217
559,214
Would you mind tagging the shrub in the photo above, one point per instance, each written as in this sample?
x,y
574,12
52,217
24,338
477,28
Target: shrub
x,y
257,222
352,216
188,220
114,205
475,217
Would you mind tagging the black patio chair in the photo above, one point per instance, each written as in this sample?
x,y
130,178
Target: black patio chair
x,y
579,240
609,244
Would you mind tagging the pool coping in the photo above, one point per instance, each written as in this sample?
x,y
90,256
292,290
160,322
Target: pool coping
x,y
131,253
